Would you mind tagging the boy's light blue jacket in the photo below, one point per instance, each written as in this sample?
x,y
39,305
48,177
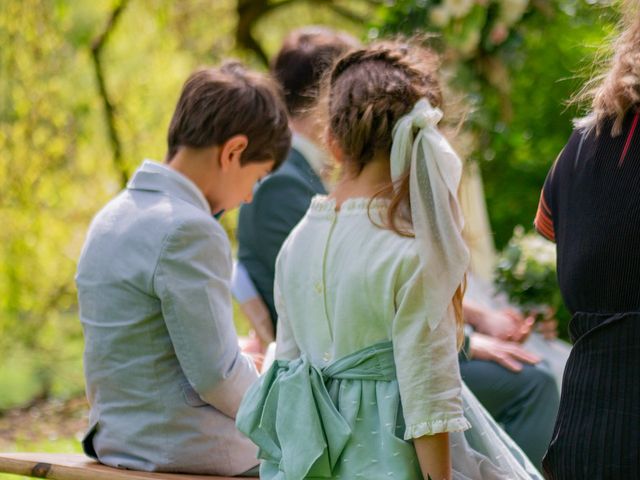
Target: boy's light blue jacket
x,y
164,373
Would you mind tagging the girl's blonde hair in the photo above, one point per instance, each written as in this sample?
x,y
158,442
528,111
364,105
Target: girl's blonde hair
x,y
614,92
368,91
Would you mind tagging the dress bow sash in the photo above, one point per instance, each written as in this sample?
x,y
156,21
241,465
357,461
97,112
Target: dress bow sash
x,y
290,415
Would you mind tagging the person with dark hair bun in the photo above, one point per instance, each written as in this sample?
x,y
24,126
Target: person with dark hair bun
x,y
591,208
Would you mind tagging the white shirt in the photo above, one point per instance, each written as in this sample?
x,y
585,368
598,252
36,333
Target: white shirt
x,y
316,157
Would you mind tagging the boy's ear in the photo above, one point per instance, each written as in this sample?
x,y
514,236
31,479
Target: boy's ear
x,y
231,151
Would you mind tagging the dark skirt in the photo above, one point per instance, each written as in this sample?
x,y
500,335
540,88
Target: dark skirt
x,y
597,432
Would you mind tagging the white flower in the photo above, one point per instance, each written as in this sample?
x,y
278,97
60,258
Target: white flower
x,y
520,269
512,10
440,15
459,8
538,249
518,231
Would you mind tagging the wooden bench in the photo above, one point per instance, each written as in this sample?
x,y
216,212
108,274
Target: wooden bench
x,y
79,467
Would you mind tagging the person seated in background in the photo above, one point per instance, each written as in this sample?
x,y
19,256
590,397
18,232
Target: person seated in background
x,y
153,286
492,314
281,199
514,373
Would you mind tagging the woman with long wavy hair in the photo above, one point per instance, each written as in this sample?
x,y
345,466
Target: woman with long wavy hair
x,y
591,208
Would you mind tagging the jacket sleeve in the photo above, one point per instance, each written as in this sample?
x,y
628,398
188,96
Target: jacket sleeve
x,y
279,204
192,282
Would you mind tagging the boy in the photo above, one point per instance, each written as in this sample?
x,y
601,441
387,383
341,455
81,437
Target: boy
x,y
164,373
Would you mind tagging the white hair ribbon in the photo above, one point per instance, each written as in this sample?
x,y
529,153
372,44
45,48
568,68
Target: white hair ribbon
x,y
435,172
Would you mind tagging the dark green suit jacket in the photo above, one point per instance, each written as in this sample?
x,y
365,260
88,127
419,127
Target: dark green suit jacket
x,y
279,203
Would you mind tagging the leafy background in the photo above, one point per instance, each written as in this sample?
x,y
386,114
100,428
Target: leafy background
x,y
66,147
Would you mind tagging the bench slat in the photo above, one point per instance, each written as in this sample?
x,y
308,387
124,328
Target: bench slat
x,y
79,467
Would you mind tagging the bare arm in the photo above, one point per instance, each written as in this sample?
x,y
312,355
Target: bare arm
x,y
258,314
434,456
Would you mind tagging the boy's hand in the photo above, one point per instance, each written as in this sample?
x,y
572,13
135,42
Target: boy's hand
x,y
251,347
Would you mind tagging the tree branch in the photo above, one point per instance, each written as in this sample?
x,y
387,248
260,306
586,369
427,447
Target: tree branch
x,y
250,12
280,3
346,13
109,109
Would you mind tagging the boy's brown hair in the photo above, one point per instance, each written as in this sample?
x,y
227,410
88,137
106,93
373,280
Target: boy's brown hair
x,y
218,103
306,55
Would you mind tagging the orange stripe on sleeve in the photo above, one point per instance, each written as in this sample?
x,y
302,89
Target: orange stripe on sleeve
x,y
544,206
543,221
544,225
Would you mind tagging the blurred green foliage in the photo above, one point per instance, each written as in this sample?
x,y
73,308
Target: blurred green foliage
x,y
57,164
515,79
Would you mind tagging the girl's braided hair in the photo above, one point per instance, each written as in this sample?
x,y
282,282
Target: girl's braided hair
x,y
369,90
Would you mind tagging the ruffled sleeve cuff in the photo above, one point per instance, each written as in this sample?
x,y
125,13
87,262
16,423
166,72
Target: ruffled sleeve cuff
x,y
417,430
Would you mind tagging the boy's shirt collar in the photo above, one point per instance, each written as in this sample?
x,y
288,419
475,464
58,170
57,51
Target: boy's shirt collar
x,y
154,176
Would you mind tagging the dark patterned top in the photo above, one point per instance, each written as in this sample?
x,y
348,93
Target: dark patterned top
x,y
590,206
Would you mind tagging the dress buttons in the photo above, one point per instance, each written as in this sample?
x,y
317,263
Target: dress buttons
x,y
326,357
318,287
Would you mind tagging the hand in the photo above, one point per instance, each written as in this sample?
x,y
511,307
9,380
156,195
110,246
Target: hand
x,y
508,354
547,324
434,456
508,324
252,347
523,325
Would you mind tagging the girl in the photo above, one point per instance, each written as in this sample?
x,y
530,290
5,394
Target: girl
x,y
368,294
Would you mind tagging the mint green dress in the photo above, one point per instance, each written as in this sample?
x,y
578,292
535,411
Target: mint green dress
x,y
358,372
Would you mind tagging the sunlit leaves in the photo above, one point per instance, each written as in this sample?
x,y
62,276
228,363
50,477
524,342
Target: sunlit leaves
x,y
56,160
